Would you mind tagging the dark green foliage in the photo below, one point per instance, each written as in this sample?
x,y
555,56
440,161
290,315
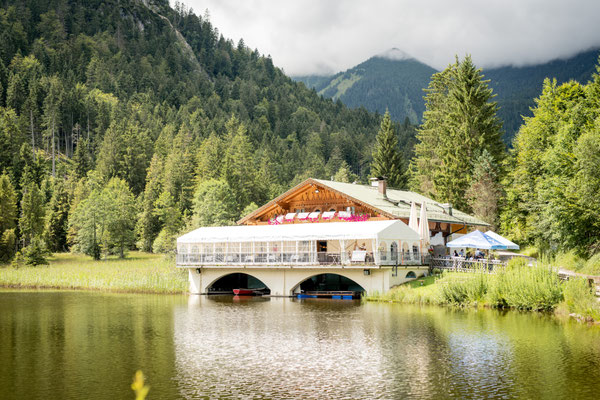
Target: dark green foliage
x,y
214,204
34,253
33,212
553,183
57,217
8,218
387,160
381,83
105,221
154,96
459,125
378,84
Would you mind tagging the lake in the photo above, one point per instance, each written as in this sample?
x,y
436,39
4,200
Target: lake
x,y
88,345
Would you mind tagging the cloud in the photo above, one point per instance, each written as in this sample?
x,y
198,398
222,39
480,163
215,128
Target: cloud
x,y
324,36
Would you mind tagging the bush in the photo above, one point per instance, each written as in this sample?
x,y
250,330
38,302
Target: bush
x,y
34,254
580,299
592,266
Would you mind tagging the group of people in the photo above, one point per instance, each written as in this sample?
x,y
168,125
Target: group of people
x,y
477,255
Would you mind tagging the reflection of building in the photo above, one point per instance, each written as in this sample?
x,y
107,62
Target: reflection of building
x,y
320,227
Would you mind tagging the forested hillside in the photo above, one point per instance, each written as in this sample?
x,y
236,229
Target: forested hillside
x,y
392,80
398,83
124,122
517,87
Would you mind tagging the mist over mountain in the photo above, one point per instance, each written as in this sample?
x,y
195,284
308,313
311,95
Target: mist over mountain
x,y
394,80
391,80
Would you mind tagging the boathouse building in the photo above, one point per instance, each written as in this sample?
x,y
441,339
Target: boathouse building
x,y
318,229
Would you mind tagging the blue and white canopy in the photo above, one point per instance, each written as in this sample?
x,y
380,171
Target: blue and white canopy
x,y
477,240
509,245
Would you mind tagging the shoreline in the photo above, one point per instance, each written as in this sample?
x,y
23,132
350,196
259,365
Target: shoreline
x,y
17,287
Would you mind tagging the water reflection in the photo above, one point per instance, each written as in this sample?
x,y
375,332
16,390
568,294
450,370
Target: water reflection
x,y
74,345
282,348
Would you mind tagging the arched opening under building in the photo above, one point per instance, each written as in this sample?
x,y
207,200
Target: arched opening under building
x,y
411,275
226,284
329,285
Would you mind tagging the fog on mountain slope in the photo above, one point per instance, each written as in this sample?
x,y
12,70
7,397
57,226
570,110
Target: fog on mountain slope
x,y
394,80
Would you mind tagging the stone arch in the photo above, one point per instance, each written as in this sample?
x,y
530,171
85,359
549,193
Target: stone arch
x,y
248,280
310,275
411,275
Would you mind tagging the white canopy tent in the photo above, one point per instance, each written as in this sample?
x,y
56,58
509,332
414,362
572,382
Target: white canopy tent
x,y
382,241
390,230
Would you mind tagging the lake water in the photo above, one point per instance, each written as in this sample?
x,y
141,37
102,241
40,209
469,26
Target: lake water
x,y
87,345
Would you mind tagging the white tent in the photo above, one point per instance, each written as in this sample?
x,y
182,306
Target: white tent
x,y
413,223
503,240
381,230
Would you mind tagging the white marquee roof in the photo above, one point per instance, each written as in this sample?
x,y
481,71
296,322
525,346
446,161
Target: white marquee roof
x,y
390,230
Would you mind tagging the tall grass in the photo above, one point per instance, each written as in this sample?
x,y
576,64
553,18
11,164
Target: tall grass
x,y
518,286
579,298
140,272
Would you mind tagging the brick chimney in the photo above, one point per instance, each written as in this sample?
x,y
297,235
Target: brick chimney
x,y
381,184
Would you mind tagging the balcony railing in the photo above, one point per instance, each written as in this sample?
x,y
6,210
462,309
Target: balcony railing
x,y
303,258
461,264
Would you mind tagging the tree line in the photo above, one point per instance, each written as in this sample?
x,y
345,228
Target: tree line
x,y
123,125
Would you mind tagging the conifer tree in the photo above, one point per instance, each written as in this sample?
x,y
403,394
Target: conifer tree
x,y
387,160
458,124
31,222
8,217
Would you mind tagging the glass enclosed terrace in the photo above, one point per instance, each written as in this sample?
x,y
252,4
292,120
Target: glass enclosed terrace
x,y
335,243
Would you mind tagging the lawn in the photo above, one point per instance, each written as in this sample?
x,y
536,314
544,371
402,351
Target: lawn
x,y
139,272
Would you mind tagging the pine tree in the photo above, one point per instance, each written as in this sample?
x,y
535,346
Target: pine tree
x,y
57,217
484,192
238,166
31,222
458,124
387,160
8,218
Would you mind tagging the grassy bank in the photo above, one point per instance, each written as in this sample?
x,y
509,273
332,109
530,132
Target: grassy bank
x,y
519,286
139,272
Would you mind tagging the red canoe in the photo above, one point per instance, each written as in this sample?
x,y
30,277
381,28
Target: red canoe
x,y
243,292
248,292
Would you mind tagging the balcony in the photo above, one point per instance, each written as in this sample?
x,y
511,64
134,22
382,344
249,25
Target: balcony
x,y
306,259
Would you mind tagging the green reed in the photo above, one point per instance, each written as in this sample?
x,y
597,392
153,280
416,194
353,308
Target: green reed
x,y
140,272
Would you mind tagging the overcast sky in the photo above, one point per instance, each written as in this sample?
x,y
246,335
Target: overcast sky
x,y
326,36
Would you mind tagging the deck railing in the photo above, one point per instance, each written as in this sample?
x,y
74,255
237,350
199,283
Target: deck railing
x,y
461,264
303,258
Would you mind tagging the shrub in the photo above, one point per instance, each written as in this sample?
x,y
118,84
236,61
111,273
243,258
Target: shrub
x,y
580,299
34,254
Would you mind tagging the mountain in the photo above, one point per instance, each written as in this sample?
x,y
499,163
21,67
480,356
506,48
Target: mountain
x,y
517,87
396,81
392,80
135,97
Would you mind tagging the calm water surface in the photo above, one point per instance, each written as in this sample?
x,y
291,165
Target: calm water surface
x,y
83,345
